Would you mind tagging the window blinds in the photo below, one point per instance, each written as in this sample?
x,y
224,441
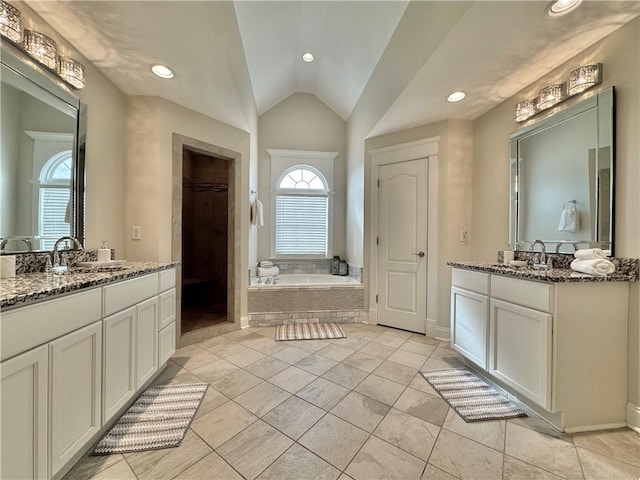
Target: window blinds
x,y
53,208
301,225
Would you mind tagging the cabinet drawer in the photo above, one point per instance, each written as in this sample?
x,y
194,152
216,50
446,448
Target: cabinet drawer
x,y
523,292
33,325
474,281
166,343
167,279
126,294
167,308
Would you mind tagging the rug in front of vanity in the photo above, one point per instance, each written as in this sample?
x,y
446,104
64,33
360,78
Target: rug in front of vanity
x,y
470,396
308,331
158,419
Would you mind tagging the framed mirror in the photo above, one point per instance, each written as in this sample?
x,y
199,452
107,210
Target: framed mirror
x,y
562,178
42,165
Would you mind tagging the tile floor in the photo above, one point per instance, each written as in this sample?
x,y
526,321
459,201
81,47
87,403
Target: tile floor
x,y
353,408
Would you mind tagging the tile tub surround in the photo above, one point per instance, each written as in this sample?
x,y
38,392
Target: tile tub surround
x,y
28,288
36,261
397,428
626,271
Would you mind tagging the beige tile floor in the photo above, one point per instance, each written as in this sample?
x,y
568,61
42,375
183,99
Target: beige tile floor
x,y
353,408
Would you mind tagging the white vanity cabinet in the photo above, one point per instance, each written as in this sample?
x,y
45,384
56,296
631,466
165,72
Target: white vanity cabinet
x,y
167,320
470,315
560,346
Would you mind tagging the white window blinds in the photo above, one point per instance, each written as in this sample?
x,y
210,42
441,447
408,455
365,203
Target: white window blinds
x,y
54,217
301,224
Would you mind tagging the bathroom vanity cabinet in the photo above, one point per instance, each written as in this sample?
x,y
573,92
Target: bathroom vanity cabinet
x,y
71,365
561,347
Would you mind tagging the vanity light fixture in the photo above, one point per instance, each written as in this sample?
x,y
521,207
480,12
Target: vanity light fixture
x,y
308,57
583,78
41,47
580,79
456,96
71,71
162,71
10,22
558,8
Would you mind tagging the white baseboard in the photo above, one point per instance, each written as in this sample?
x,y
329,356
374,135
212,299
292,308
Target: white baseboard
x,y
244,322
633,417
372,317
436,331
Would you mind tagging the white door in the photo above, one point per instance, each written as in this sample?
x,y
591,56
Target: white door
x,y
402,245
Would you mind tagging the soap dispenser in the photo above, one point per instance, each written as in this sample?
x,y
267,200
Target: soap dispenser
x,y
104,253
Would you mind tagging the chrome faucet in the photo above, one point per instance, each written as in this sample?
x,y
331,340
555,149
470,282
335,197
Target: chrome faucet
x,y
27,242
543,254
56,257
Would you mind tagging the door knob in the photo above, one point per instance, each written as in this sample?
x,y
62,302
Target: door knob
x,y
420,254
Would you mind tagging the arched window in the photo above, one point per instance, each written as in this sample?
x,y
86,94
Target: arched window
x,y
54,199
302,212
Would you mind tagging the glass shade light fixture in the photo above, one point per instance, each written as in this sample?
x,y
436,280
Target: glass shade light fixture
x,y
10,22
579,80
41,47
456,96
583,78
71,71
162,71
308,57
558,8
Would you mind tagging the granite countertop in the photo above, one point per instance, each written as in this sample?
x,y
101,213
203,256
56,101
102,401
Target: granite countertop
x,y
29,288
554,275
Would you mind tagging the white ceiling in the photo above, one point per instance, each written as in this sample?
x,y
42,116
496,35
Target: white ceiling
x,y
492,52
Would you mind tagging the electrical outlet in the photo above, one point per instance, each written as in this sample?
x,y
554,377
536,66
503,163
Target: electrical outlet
x,y
136,232
464,235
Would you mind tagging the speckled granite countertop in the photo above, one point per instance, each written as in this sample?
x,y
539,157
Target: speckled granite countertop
x,y
554,275
28,288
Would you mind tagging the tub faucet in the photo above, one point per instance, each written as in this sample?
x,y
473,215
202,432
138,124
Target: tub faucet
x,y
56,257
543,254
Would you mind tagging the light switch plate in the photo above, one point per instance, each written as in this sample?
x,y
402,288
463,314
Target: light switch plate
x,y
136,232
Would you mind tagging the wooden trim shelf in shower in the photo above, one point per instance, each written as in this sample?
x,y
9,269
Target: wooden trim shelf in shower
x,y
204,186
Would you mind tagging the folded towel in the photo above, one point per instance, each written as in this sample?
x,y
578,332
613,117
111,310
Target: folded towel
x,y
595,266
569,218
265,264
590,253
266,272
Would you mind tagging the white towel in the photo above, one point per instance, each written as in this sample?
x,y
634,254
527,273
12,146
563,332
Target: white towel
x,y
595,266
569,218
590,253
259,213
265,263
267,272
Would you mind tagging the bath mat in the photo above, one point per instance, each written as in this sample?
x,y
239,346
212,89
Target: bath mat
x,y
470,396
308,331
158,419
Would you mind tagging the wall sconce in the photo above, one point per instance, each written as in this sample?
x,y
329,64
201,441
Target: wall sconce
x,y
39,46
580,79
10,22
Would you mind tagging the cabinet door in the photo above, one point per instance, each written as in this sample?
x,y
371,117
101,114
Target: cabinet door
x,y
167,308
75,381
146,340
167,342
23,387
469,325
520,350
119,361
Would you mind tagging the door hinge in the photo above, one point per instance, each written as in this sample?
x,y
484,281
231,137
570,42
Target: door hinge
x,y
377,240
378,183
376,298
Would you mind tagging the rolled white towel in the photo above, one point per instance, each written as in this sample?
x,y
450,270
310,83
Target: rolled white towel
x,y
266,263
590,253
594,266
267,272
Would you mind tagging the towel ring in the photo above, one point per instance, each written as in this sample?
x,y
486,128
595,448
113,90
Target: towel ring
x,y
564,205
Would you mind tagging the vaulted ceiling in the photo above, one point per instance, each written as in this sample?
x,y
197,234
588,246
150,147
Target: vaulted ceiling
x,y
221,50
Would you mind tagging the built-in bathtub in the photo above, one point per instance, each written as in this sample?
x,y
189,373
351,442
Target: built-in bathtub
x,y
305,298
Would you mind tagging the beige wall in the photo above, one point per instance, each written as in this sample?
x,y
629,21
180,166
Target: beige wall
x,y
301,122
489,231
454,202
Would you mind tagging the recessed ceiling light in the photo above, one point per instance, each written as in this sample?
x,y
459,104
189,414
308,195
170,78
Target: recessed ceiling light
x,y
308,57
456,96
162,71
557,8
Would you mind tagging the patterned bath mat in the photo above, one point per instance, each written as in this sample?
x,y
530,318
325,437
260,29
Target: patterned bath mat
x,y
470,396
308,331
158,419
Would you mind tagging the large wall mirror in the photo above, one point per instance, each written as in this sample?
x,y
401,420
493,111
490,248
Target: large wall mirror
x,y
42,174
562,178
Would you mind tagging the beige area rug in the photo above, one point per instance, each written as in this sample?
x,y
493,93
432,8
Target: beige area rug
x,y
470,396
158,419
308,331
